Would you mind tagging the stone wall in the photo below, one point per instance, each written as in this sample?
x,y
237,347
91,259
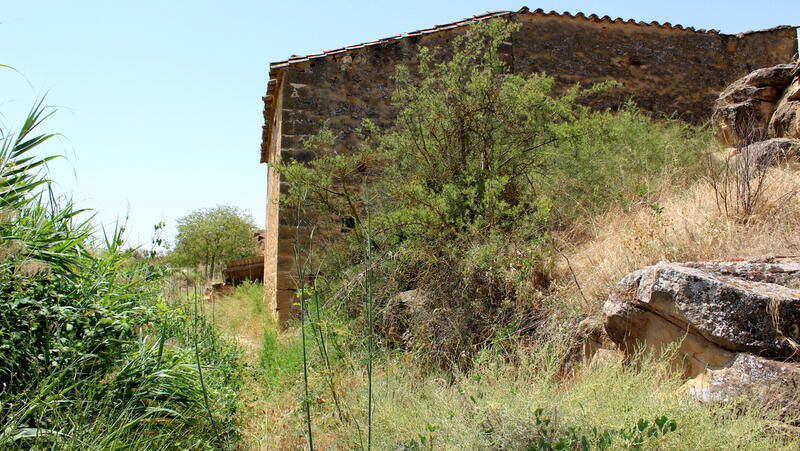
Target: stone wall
x,y
665,69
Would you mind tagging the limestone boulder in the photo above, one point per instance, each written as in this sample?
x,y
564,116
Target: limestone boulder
x,y
744,110
778,75
732,324
755,377
770,152
785,121
217,290
742,123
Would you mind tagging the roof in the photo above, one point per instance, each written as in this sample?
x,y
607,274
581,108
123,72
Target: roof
x,y
275,67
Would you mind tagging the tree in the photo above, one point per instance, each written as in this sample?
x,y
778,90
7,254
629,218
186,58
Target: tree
x,y
469,192
471,151
210,237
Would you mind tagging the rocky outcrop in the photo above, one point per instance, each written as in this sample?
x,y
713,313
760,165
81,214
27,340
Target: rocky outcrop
x,y
770,152
217,290
735,326
771,381
764,104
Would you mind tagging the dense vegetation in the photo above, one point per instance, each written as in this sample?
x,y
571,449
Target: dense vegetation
x,y
471,194
93,356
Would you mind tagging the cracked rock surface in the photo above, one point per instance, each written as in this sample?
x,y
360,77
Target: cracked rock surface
x,y
759,106
736,324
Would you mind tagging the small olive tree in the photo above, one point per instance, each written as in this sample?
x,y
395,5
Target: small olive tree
x,y
212,236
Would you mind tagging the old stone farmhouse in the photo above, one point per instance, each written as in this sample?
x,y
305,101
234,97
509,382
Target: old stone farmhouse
x,y
667,69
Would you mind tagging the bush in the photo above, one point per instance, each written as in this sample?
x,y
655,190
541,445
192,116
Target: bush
x,y
469,193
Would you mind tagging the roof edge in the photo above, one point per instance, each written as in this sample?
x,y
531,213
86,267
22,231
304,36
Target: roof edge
x,y
275,67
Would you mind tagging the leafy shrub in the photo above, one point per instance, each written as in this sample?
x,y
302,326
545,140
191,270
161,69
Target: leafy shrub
x,y
552,437
469,192
66,302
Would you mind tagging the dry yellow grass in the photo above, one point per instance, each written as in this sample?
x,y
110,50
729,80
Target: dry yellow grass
x,y
690,226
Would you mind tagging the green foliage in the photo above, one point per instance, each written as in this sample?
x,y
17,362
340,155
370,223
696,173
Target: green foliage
x,y
49,321
471,142
625,158
554,438
79,371
66,303
280,361
152,399
471,187
551,437
212,236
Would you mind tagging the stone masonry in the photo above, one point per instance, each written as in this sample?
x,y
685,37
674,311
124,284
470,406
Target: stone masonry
x,y
666,69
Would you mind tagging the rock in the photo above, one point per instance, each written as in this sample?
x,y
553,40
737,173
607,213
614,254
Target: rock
x,y
400,313
774,270
633,328
744,110
785,120
792,92
742,93
778,75
770,152
216,290
734,326
742,123
750,376
728,308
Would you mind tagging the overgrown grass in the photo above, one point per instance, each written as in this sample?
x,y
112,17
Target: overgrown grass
x,y
493,407
687,225
93,357
280,359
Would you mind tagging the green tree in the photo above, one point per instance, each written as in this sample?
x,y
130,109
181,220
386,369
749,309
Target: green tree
x,y
212,236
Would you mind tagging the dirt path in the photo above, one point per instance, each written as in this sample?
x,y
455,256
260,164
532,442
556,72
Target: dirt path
x,y
266,414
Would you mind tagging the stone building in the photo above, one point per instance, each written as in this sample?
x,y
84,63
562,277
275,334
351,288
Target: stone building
x,y
666,69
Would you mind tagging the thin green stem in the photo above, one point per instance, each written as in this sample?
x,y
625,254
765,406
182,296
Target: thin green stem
x,y
200,367
370,326
301,279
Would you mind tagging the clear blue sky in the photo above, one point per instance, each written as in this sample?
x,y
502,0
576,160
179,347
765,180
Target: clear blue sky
x,y
160,101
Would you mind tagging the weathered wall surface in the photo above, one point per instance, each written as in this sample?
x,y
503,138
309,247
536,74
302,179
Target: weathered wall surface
x,y
666,70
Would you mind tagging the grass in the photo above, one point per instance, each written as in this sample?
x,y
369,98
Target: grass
x,y
685,226
493,405
272,368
